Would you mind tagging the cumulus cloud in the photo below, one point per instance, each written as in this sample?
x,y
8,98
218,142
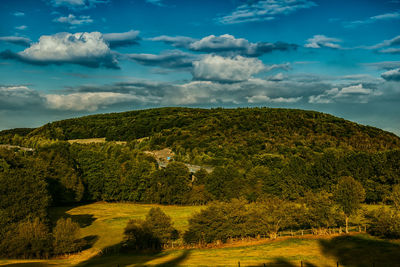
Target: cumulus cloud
x,y
16,40
373,19
353,93
122,39
264,10
392,75
73,20
228,43
77,4
226,69
225,44
87,49
320,41
173,59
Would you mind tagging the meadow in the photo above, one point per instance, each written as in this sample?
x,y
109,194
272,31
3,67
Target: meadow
x,y
102,225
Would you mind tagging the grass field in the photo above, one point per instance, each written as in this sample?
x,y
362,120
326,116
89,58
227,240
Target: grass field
x,y
103,223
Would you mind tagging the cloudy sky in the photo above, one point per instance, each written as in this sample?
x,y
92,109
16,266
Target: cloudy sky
x,y
68,58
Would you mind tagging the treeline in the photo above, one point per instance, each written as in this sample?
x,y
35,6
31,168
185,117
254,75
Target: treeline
x,y
215,135
110,172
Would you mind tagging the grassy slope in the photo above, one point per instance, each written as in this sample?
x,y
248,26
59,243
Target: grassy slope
x,y
106,221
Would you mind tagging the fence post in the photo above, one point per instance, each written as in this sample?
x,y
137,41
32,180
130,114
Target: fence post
x,y
239,263
337,264
301,263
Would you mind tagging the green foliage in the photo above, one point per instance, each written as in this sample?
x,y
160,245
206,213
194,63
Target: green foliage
x,y
221,221
65,236
320,211
152,233
384,223
349,194
27,239
23,195
160,225
395,197
169,185
139,237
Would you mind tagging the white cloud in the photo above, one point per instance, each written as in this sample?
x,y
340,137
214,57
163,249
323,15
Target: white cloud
x,y
88,101
392,75
386,43
22,27
373,19
177,41
19,14
226,69
319,41
73,20
88,49
267,99
264,10
16,40
225,44
353,93
77,4
121,39
18,96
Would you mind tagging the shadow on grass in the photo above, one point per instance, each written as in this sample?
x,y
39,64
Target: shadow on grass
x,y
83,220
281,262
88,241
28,264
362,250
116,256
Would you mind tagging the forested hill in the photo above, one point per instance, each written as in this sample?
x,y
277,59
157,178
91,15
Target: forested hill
x,y
248,130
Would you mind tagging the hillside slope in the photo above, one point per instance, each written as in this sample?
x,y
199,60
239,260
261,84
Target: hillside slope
x,y
252,128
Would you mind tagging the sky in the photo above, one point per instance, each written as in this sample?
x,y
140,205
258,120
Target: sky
x,y
69,58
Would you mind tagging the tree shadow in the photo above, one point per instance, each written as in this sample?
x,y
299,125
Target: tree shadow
x,y
83,220
362,250
117,255
88,241
28,264
281,262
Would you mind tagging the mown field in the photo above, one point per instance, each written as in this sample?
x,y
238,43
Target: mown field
x,y
102,225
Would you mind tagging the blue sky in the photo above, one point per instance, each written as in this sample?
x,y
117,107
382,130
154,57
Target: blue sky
x,y
68,58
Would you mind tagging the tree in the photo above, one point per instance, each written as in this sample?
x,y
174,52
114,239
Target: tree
x,y
319,211
65,235
139,237
395,197
349,194
160,225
